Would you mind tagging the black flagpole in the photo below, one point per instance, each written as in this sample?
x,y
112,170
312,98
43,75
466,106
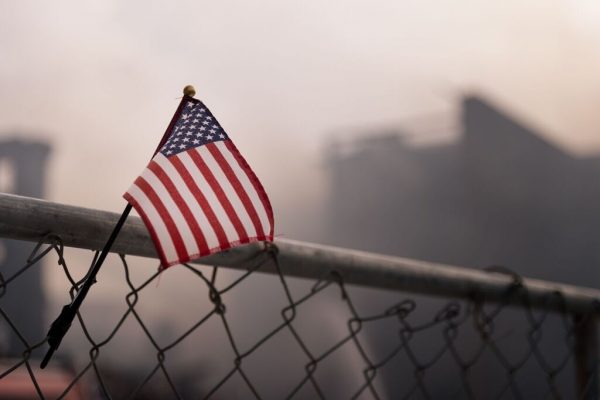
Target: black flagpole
x,y
61,325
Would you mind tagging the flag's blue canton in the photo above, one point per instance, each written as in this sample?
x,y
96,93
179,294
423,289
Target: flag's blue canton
x,y
195,127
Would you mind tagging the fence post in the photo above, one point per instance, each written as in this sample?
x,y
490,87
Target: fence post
x,y
586,356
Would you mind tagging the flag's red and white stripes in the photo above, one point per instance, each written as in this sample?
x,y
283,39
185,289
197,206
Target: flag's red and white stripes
x,y
201,201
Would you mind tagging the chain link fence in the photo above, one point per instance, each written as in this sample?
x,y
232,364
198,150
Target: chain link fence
x,y
248,334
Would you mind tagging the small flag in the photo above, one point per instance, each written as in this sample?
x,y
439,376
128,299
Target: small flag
x,y
198,196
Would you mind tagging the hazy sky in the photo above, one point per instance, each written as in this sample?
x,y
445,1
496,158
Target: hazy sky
x,y
100,79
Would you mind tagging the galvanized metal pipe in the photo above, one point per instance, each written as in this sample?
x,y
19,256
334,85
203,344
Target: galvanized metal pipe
x,y
30,219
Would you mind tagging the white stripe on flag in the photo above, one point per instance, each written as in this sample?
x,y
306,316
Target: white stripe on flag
x,y
180,222
248,187
209,234
155,220
230,192
211,197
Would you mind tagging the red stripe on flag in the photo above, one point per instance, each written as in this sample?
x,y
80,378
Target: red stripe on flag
x,y
206,208
262,195
182,205
237,186
166,217
218,190
159,249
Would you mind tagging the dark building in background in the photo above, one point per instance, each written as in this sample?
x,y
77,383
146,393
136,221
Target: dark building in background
x,y
500,195
23,165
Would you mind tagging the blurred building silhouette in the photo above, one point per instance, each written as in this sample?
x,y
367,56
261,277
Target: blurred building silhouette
x,y
500,195
23,170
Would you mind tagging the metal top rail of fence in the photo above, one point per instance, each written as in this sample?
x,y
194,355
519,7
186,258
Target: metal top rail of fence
x,y
41,221
30,219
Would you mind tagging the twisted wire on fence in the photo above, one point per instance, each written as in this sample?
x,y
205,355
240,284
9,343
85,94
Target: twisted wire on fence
x,y
470,341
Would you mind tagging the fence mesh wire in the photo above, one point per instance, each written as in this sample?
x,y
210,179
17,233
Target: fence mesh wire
x,y
326,340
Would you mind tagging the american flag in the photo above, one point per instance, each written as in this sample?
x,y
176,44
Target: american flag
x,y
198,196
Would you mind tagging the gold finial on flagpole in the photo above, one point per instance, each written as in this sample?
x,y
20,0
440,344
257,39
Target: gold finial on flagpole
x,y
189,91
